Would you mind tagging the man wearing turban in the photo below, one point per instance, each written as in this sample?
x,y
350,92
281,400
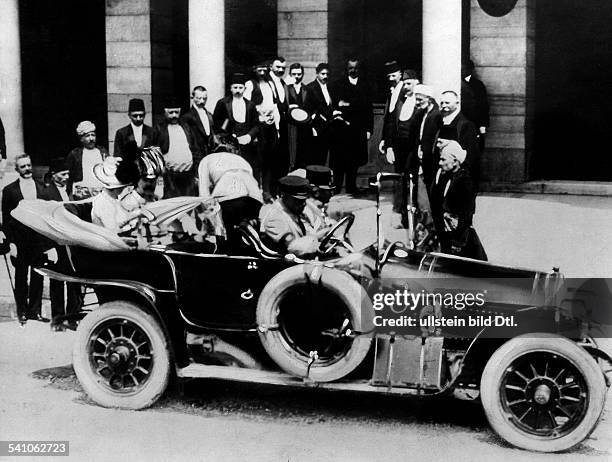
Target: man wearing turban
x,y
80,162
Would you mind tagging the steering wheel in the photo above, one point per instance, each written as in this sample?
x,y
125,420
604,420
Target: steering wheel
x,y
337,235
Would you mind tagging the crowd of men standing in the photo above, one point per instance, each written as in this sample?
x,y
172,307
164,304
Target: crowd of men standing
x,y
282,125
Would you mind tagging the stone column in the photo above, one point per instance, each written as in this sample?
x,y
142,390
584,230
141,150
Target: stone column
x,y
11,110
128,60
442,44
503,49
207,47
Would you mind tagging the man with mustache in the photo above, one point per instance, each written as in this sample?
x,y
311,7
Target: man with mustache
x,y
27,247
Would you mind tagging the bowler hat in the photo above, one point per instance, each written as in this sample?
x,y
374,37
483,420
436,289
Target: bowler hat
x,y
391,67
57,165
294,186
320,176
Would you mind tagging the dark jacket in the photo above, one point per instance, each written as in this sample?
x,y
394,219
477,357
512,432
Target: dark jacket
x,y
203,141
126,134
427,142
391,118
2,141
30,244
224,121
162,139
294,98
74,162
354,103
317,107
475,102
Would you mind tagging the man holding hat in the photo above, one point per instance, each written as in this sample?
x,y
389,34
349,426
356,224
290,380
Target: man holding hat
x,y
180,152
453,202
238,117
136,131
288,222
80,162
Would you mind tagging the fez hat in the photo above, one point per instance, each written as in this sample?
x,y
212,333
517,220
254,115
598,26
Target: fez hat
x,y
391,67
171,103
85,127
238,78
410,74
294,186
320,176
136,104
57,165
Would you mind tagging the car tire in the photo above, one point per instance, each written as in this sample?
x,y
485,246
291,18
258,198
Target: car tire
x,y
121,356
296,362
579,387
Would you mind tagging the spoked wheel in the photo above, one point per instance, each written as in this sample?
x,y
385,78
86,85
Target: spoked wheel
x,y
542,392
121,356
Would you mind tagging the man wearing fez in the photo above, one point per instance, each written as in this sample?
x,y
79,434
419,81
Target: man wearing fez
x,y
80,162
238,117
350,144
180,152
136,131
200,121
54,189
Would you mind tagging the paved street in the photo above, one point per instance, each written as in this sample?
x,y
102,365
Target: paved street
x,y
219,421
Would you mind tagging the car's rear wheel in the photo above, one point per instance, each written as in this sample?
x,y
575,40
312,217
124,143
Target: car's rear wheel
x,y
121,356
542,392
315,328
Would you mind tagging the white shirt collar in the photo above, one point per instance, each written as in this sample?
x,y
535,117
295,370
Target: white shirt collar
x,y
467,78
353,80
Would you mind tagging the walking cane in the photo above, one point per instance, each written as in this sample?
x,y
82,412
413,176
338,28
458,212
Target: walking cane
x,y
8,270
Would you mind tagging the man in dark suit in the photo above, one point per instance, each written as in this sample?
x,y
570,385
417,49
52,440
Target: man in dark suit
x,y
474,101
27,247
320,105
54,189
136,131
299,132
180,151
455,126
237,116
200,121
2,150
353,129
396,94
277,73
429,126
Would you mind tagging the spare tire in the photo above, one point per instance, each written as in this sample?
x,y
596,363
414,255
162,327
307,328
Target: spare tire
x,y
306,309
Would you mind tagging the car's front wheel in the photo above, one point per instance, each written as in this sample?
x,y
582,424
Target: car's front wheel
x,y
121,356
542,392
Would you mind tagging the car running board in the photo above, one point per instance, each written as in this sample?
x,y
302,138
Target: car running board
x,y
237,374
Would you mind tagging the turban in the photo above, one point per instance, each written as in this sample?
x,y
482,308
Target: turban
x,y
85,127
424,90
454,149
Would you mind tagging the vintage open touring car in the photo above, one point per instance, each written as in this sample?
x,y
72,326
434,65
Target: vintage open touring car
x,y
249,313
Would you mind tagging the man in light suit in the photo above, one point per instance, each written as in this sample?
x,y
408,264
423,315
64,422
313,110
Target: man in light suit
x,y
200,121
136,131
